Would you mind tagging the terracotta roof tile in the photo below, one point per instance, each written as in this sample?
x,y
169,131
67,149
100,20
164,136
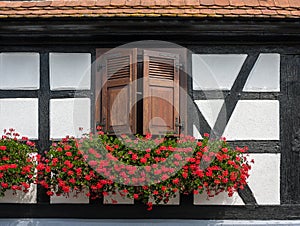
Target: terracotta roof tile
x,y
225,12
133,3
252,3
237,3
207,2
268,12
60,3
43,3
3,4
27,4
282,3
295,3
208,12
151,8
102,2
239,12
75,3
86,3
177,3
295,13
222,2
266,3
14,4
191,11
283,12
254,11
192,2
148,3
117,2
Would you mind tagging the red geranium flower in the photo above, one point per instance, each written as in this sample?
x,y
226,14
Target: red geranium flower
x,y
68,153
135,196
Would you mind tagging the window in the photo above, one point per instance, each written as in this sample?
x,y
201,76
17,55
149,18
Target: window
x,y
139,91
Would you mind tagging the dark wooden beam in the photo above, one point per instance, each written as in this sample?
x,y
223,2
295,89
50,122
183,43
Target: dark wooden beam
x,y
137,211
70,30
44,117
219,94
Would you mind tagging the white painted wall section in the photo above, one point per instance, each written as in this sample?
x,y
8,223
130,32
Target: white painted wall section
x,y
196,133
20,114
72,198
19,71
216,71
20,196
254,120
70,71
68,115
264,179
210,109
220,199
265,75
118,198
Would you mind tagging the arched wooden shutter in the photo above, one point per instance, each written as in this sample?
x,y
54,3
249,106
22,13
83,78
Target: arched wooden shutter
x,y
118,112
161,92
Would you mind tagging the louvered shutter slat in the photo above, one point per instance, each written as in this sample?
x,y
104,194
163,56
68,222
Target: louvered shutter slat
x,y
161,92
118,93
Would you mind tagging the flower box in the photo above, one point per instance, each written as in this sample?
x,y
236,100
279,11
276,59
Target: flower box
x,y
152,170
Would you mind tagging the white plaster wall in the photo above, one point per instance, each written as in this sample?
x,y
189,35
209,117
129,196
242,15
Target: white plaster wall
x,y
210,109
20,196
73,198
70,71
68,115
265,75
117,197
19,71
20,114
196,133
264,179
215,71
254,120
220,199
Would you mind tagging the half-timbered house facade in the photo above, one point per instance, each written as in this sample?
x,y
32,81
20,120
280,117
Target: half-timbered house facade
x,y
238,62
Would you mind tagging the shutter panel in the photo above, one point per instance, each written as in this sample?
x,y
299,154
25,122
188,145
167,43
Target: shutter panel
x,y
119,70
161,92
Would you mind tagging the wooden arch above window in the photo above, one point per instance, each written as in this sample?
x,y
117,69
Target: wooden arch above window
x,y
139,91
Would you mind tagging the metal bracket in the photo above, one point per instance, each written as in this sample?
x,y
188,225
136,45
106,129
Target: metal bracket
x,y
100,67
179,125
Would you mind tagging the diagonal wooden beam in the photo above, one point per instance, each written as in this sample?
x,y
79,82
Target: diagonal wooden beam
x,y
247,195
202,125
227,109
233,97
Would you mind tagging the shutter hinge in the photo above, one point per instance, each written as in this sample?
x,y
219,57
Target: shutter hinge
x,y
100,67
179,126
180,66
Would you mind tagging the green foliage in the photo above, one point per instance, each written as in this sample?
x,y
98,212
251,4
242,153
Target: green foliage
x,y
17,162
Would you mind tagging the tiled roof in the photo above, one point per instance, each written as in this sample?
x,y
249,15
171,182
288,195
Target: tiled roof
x,y
151,8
